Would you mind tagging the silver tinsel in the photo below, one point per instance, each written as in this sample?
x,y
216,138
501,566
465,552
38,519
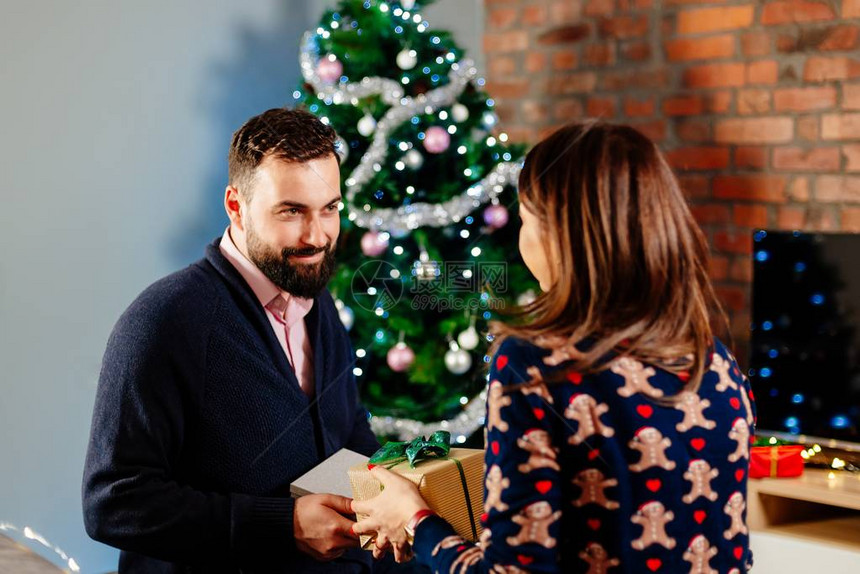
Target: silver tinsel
x,y
467,421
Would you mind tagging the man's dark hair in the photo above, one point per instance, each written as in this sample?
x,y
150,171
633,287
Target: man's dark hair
x,y
289,135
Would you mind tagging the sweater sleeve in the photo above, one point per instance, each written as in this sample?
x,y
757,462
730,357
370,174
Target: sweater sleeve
x,y
132,496
522,495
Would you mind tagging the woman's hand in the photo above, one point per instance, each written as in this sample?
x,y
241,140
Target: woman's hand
x,y
389,512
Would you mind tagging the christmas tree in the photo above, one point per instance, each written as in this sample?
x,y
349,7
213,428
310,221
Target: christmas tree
x,y
428,250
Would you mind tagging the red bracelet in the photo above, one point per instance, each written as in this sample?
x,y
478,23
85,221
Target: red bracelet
x,y
417,518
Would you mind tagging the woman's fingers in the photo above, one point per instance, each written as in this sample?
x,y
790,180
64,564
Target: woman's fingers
x,y
366,526
383,475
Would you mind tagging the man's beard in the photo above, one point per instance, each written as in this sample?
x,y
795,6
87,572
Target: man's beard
x,y
305,280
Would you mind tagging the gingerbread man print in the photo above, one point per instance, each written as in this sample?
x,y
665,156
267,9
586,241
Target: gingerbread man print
x,y
699,554
495,484
536,385
446,543
652,445
735,509
496,401
535,520
722,367
692,407
562,350
653,517
636,377
741,433
466,558
541,452
700,474
593,484
585,410
598,559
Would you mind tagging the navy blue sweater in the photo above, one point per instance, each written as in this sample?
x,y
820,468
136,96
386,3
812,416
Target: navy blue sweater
x,y
200,425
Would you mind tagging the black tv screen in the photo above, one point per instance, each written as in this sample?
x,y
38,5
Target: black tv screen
x,y
805,344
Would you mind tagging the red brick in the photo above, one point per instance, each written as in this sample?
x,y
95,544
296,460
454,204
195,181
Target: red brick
x,y
804,99
513,88
568,109
625,26
715,75
695,186
520,134
742,269
501,18
752,216
507,111
600,54
791,217
535,62
703,20
534,112
691,130
821,218
851,96
512,41
638,108
566,60
624,5
709,213
849,219
753,102
688,158
790,11
799,159
654,130
683,106
768,188
718,102
600,107
684,2
763,72
571,83
718,268
838,188
707,48
631,79
840,127
565,10
799,189
839,38
733,298
568,34
501,66
851,8
750,157
599,7
808,128
636,51
755,130
852,157
821,69
755,44
534,16
737,242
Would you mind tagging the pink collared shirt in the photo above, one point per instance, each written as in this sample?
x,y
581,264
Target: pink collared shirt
x,y
286,313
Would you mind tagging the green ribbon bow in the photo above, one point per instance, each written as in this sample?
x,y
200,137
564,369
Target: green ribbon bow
x,y
437,446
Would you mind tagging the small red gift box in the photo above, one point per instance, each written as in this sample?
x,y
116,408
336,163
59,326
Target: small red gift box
x,y
776,461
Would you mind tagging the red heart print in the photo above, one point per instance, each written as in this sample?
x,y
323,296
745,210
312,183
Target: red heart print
x,y
525,560
698,443
751,395
494,446
654,564
739,474
738,552
501,362
593,523
574,378
736,404
543,486
539,414
484,517
461,547
684,376
592,454
645,411
654,484
699,516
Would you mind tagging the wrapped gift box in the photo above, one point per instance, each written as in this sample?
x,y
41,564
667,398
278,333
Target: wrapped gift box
x,y
448,491
776,461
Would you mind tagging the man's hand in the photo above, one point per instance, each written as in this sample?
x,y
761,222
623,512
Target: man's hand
x,y
320,526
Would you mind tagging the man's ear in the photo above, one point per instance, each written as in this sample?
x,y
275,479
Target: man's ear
x,y
233,206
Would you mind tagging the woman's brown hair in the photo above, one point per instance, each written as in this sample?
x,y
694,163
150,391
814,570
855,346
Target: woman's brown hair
x,y
632,277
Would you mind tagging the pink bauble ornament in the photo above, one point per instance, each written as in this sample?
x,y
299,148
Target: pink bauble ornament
x,y
374,244
400,357
329,70
496,216
436,139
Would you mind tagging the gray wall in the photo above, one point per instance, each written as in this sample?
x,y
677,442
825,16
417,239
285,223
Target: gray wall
x,y
115,118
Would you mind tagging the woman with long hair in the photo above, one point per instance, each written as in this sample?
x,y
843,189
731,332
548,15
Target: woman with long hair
x,y
618,425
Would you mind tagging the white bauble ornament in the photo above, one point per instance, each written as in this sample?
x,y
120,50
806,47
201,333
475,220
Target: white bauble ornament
x,y
407,59
414,159
407,4
374,244
341,148
366,125
347,317
400,357
459,113
457,360
468,339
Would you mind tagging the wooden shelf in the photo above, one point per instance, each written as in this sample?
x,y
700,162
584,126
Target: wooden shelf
x,y
812,507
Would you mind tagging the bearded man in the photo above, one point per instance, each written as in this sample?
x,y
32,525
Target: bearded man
x,y
225,381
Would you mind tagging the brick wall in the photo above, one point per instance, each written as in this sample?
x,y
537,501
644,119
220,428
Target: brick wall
x,y
756,103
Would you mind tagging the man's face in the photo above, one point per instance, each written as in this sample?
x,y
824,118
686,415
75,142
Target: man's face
x,y
292,222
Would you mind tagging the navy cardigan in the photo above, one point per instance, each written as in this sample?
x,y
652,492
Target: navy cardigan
x,y
200,425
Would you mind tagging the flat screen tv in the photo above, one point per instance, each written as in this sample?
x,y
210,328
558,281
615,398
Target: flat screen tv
x,y
805,344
